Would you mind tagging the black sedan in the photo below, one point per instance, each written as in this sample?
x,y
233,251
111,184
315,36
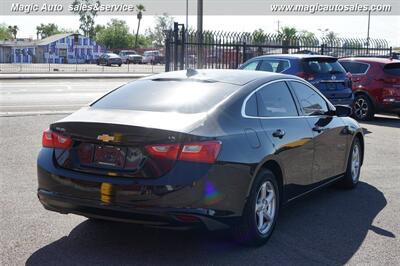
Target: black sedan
x,y
109,59
213,148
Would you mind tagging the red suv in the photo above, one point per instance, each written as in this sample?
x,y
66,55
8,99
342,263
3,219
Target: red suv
x,y
376,85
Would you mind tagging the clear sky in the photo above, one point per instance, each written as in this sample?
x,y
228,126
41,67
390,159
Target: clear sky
x,y
384,27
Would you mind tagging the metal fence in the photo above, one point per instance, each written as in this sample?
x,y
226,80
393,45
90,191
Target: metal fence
x,y
79,68
216,49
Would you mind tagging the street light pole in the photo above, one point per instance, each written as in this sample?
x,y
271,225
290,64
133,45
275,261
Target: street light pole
x,y
200,32
187,34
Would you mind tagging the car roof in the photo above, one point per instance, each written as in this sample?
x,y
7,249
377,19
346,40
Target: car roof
x,y
231,76
380,60
293,56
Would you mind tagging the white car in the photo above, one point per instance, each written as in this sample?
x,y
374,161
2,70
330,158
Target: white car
x,y
152,57
130,56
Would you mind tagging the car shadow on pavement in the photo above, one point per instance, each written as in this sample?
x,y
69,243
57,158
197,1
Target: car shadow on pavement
x,y
325,228
386,121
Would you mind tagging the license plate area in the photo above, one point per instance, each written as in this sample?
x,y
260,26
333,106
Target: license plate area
x,y
109,156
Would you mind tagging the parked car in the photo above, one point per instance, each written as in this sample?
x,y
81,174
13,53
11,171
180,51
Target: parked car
x,y
324,72
376,85
153,57
109,59
213,148
130,57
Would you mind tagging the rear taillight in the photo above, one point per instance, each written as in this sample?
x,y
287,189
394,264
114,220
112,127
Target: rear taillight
x,y
306,75
203,152
52,139
166,151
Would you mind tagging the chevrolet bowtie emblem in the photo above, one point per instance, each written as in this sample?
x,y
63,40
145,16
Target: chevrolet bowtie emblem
x,y
105,138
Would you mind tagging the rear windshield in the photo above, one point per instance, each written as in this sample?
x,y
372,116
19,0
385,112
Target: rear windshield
x,y
323,66
392,69
182,96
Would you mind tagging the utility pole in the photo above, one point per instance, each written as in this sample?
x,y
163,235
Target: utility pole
x,y
187,34
200,33
278,25
187,14
369,23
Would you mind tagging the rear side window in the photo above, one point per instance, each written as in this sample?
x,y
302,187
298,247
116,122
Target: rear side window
x,y
275,100
274,65
323,66
310,101
355,67
392,69
167,96
251,66
251,106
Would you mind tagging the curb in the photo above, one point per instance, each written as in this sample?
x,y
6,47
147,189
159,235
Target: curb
x,y
70,76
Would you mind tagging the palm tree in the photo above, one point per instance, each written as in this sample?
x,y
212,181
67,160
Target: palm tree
x,y
287,34
13,30
140,9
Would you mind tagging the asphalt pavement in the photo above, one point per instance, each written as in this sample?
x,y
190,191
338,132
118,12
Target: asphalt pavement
x,y
329,227
49,96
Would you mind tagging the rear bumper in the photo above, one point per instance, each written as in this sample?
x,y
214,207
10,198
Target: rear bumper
x,y
172,218
215,194
342,101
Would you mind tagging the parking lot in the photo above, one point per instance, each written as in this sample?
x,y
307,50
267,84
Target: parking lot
x,y
329,227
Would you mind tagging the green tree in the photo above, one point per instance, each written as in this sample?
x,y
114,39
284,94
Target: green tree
x,y
288,37
5,34
308,38
98,28
157,34
86,17
259,36
46,30
287,33
115,35
140,9
13,30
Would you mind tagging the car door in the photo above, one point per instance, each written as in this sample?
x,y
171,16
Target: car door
x,y
329,131
290,135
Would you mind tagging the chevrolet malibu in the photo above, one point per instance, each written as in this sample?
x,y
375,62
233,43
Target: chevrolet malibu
x,y
209,148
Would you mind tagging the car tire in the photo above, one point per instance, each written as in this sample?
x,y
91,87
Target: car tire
x,y
119,65
352,175
255,229
363,108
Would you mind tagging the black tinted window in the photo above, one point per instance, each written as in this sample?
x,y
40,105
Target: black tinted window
x,y
392,69
355,67
310,101
275,100
323,66
274,65
167,96
251,106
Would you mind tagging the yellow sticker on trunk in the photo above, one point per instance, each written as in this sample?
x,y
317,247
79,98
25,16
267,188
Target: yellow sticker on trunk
x,y
107,192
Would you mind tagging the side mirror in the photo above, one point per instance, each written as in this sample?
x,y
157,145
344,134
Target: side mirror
x,y
343,110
